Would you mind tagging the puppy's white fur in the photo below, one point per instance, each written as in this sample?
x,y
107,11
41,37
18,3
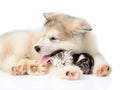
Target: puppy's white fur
x,y
61,72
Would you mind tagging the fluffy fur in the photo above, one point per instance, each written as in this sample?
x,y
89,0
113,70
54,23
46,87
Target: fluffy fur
x,y
59,32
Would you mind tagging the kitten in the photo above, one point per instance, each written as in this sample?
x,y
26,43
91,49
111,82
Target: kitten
x,y
62,59
83,60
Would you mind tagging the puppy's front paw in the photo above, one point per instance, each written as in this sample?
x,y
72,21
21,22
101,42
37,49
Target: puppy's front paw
x,y
71,72
102,71
33,67
20,69
36,68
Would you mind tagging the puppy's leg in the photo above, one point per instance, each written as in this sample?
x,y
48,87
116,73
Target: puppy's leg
x,y
18,66
7,63
68,72
30,67
101,67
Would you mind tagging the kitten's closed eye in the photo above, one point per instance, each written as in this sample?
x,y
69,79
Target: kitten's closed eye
x,y
69,62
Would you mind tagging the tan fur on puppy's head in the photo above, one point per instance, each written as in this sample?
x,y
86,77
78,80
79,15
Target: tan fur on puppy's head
x,y
62,32
69,22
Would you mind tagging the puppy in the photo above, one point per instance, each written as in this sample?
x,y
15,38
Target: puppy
x,y
60,32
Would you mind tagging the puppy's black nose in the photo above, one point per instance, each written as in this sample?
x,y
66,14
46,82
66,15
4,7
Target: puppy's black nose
x,y
37,48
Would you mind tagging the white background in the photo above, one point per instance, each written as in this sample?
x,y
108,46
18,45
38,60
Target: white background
x,y
104,17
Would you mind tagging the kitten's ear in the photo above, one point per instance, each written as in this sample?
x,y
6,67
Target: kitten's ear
x,y
51,59
70,52
60,55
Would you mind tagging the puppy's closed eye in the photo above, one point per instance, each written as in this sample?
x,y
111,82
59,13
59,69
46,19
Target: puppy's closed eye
x,y
53,38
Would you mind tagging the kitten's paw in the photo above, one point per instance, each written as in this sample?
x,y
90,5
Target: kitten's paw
x,y
71,72
102,71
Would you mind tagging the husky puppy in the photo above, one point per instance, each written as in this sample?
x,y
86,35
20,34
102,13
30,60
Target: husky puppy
x,y
60,32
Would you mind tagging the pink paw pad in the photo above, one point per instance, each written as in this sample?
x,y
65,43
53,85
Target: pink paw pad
x,y
72,75
19,70
103,71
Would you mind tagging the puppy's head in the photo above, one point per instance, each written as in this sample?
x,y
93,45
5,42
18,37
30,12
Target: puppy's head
x,y
61,32
69,22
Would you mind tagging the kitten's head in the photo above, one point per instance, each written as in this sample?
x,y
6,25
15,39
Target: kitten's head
x,y
62,59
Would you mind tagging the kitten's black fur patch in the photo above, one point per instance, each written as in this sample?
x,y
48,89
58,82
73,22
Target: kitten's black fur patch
x,y
75,57
86,64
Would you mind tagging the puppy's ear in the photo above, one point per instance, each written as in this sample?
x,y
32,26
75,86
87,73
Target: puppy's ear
x,y
75,24
82,25
49,15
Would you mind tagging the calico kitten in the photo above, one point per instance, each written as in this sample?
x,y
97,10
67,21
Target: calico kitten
x,y
82,60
